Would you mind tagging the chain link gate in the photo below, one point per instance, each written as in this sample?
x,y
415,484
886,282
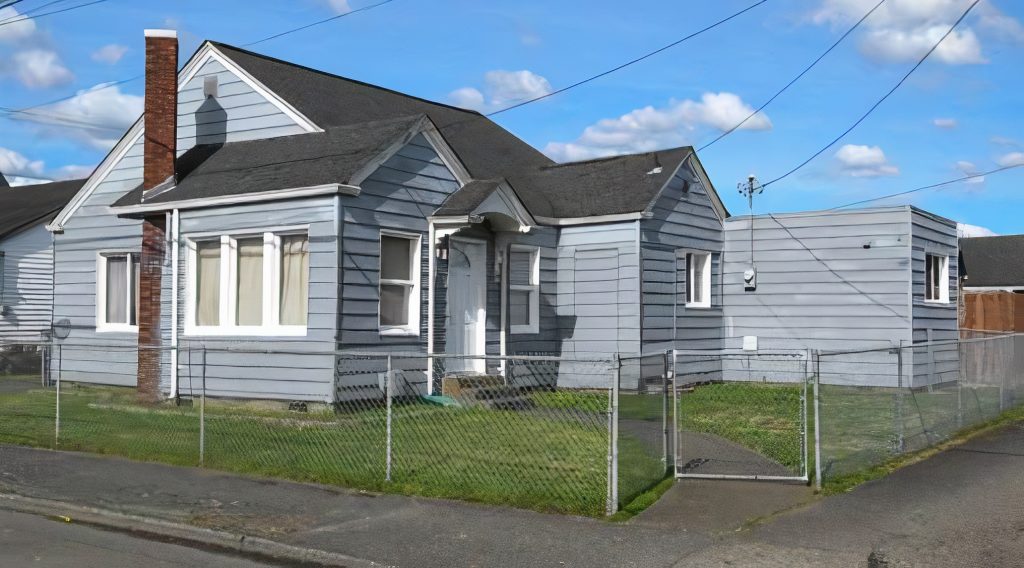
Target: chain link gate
x,y
740,414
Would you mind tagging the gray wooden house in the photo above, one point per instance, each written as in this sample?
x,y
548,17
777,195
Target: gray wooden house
x,y
274,214
26,257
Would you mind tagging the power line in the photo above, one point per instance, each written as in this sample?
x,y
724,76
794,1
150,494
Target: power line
x,y
31,10
62,119
37,16
12,3
932,186
317,23
626,64
879,101
795,79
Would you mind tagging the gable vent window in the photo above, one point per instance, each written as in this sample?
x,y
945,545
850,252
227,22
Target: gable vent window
x,y
698,280
117,292
936,276
255,284
524,289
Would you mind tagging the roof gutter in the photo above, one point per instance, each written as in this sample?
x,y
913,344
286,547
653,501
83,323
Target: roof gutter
x,y
241,198
569,221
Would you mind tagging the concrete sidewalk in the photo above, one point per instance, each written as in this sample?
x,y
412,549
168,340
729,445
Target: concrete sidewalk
x,y
389,529
959,508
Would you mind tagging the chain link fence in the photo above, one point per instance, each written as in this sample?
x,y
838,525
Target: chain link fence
x,y
741,414
875,405
531,431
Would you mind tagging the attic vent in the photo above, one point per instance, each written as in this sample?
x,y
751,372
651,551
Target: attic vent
x,y
210,86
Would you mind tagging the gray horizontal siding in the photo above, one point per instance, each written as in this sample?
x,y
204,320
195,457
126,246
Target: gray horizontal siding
x,y
27,298
934,321
239,113
548,339
399,196
683,219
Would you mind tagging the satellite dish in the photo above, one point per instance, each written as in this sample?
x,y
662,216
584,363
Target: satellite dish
x,y
62,328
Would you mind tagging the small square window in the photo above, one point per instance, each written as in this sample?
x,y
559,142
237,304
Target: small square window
x,y
524,289
399,284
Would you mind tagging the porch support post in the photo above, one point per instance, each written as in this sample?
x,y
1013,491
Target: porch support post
x,y
431,274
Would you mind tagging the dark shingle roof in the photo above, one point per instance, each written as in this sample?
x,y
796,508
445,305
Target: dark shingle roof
x,y
993,261
486,149
468,197
608,186
285,162
3,181
25,205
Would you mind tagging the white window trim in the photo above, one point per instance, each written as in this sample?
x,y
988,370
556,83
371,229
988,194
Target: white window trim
x,y
533,288
704,303
943,279
412,329
271,326
101,294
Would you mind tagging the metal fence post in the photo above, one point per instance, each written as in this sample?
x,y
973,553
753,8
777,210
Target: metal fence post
x,y
56,425
804,446
899,399
613,438
665,375
202,415
817,419
388,393
675,413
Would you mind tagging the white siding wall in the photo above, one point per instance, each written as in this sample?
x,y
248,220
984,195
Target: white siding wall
x,y
27,284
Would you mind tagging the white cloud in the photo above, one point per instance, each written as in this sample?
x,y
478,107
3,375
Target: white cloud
x,y
467,97
1003,141
501,88
97,116
339,6
40,68
109,54
966,230
73,171
904,30
1011,159
970,169
945,123
649,128
864,161
15,31
14,164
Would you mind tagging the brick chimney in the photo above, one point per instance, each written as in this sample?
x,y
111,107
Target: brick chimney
x,y
159,152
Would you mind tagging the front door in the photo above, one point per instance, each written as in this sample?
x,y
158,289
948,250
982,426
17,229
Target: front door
x,y
467,312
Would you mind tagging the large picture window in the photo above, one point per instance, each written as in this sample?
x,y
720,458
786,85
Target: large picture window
x,y
524,289
399,284
698,279
117,294
253,284
936,278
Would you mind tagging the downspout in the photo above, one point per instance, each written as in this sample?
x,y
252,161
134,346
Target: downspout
x,y
431,256
174,303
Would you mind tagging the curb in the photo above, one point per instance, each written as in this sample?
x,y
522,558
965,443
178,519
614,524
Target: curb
x,y
156,529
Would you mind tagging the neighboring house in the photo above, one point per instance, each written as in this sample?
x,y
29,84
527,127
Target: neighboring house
x,y
26,257
845,280
992,278
274,214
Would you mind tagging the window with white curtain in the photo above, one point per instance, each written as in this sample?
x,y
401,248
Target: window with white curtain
x,y
936,278
524,289
698,279
117,293
250,284
399,283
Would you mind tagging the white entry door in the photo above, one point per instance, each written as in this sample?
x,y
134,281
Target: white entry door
x,y
467,309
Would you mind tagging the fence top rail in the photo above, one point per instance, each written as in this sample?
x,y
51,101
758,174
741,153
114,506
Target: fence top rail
x,y
800,353
914,346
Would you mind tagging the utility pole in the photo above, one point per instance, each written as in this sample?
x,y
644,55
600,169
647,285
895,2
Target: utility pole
x,y
749,189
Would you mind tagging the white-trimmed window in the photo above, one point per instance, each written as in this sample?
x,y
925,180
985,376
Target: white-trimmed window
x,y
524,289
698,279
936,277
248,284
399,310
117,292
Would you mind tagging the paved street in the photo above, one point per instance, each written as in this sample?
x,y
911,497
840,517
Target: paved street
x,y
28,540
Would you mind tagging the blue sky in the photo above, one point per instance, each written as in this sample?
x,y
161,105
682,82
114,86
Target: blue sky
x,y
959,113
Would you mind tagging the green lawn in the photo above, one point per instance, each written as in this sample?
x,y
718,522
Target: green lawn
x,y
543,458
763,417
